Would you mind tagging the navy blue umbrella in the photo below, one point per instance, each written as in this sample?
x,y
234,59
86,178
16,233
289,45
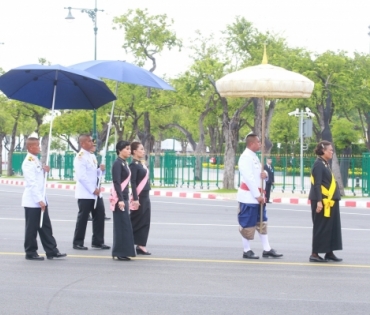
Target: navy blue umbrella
x,y
55,87
124,72
72,88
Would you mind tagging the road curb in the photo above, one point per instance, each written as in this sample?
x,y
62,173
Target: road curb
x,y
197,195
160,193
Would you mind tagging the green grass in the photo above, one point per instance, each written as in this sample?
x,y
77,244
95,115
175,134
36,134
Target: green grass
x,y
223,191
70,182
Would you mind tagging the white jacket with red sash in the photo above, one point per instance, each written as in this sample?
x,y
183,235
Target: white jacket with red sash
x,y
250,177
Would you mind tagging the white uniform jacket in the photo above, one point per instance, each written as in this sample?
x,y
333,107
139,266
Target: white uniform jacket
x,y
34,178
86,173
250,173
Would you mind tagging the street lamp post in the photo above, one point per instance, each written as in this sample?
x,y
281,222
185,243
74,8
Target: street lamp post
x,y
93,15
301,114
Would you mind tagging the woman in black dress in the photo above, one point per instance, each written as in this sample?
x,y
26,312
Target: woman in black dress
x,y
140,218
324,196
123,241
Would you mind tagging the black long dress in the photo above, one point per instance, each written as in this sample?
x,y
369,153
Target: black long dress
x,y
140,219
327,233
123,240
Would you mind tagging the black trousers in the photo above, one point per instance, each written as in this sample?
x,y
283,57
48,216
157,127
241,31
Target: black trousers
x,y
123,239
140,219
327,232
46,232
86,206
268,191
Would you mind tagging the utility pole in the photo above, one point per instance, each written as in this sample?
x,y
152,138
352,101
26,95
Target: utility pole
x,y
302,114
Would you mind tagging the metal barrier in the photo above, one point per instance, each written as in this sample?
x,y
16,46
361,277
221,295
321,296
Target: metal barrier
x,y
17,161
206,171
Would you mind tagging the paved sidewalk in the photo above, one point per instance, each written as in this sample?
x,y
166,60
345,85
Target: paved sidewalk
x,y
277,196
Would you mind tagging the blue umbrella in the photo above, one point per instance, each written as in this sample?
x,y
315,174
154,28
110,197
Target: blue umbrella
x,y
55,87
124,72
72,88
121,71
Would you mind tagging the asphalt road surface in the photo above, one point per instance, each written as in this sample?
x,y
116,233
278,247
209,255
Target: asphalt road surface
x,y
196,266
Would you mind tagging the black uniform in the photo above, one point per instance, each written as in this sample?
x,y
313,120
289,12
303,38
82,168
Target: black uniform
x,y
270,171
327,234
123,241
140,219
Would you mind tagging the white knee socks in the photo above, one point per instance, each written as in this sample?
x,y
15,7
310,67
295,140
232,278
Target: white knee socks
x,y
246,245
265,241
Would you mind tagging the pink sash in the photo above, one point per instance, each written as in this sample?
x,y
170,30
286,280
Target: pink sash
x,y
113,198
138,190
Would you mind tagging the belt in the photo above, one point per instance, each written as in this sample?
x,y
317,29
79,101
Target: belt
x,y
244,186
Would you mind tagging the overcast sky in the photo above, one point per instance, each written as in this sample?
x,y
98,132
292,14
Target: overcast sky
x,y
33,29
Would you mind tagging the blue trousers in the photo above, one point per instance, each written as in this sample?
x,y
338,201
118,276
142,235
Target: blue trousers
x,y
249,214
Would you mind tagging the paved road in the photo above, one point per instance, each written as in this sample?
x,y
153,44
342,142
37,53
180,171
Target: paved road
x,y
196,266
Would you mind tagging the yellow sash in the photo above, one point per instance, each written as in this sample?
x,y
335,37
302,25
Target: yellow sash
x,y
327,202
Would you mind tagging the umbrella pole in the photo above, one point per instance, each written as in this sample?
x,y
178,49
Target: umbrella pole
x,y
49,143
262,159
106,143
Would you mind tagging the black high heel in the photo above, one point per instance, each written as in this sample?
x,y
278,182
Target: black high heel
x,y
123,258
139,251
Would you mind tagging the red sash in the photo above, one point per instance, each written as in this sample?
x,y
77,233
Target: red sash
x,y
244,186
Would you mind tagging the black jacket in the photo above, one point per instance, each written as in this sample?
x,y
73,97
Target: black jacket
x,y
138,172
270,172
322,175
119,173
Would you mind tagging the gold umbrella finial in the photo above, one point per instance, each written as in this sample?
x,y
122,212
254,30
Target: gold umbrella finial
x,y
264,59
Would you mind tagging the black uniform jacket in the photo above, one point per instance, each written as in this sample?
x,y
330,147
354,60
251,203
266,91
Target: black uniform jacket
x,y
120,172
270,172
322,175
138,172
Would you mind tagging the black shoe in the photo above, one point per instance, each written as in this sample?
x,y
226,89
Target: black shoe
x,y
271,253
80,247
102,246
106,218
318,259
57,255
332,257
250,255
89,218
123,258
34,257
139,251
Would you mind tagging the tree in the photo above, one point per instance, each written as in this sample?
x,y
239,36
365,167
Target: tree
x,y
344,134
145,36
330,73
5,126
246,43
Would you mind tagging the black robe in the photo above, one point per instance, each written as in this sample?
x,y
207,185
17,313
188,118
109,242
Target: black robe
x,y
123,240
140,219
327,234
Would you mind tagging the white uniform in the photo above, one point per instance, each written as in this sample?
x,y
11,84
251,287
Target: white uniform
x,y
87,173
250,173
34,177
